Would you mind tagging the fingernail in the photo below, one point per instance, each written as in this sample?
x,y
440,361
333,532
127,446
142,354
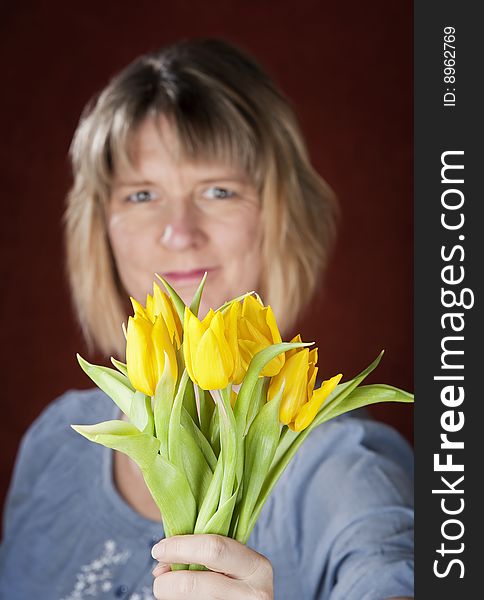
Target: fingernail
x,y
158,549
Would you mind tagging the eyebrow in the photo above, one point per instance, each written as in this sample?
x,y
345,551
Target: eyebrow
x,y
148,183
236,178
134,183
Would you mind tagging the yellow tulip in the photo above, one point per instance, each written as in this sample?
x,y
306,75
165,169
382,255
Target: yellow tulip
x,y
257,329
160,304
209,349
300,402
148,346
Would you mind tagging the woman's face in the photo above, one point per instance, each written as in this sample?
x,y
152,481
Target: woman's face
x,y
180,219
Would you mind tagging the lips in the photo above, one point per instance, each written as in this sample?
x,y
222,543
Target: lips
x,y
188,276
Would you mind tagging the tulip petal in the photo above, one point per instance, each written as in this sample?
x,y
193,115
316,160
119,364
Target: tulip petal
x,y
175,298
213,363
254,333
312,373
310,409
295,393
296,339
207,319
275,334
313,356
150,312
138,308
247,349
257,324
138,351
231,317
159,341
252,311
163,347
250,381
193,334
162,304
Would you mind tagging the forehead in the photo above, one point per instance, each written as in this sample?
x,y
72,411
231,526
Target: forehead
x,y
155,147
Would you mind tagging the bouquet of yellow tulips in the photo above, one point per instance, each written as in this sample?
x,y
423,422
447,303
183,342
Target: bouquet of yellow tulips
x,y
210,455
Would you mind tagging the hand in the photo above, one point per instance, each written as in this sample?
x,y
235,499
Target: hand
x,y
236,571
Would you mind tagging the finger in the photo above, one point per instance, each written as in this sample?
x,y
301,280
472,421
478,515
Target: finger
x,y
216,552
160,569
199,585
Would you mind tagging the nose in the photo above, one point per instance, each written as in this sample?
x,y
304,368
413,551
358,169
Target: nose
x,y
182,229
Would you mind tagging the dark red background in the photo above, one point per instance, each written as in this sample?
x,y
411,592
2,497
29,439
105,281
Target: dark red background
x,y
346,67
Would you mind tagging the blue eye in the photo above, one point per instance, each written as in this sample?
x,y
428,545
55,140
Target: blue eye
x,y
219,193
141,196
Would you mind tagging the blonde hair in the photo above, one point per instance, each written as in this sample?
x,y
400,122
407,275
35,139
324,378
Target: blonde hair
x,y
223,106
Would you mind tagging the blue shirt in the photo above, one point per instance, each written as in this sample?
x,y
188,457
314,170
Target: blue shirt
x,y
337,526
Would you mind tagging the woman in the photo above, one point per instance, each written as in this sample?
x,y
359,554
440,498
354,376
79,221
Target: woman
x,y
189,161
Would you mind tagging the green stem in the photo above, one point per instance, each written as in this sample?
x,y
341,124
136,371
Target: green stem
x,y
228,441
211,500
199,438
174,449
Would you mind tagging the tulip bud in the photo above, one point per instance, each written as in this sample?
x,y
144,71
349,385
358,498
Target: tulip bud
x,y
257,329
147,344
209,359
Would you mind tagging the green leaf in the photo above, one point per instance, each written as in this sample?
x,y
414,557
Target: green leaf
x,y
173,496
121,366
207,408
195,304
289,437
177,301
197,470
258,400
260,447
228,443
248,388
225,305
214,432
341,391
162,405
114,384
202,442
189,402
220,521
290,441
174,447
122,436
364,396
141,414
211,499
167,484
218,524
257,363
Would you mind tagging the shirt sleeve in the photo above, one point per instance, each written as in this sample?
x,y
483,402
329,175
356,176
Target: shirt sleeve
x,y
353,531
